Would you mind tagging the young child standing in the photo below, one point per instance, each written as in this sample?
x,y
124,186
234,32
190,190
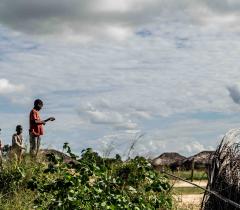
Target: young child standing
x,y
18,144
36,127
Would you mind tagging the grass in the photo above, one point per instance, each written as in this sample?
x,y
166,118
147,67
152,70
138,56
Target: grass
x,y
15,194
187,190
197,175
21,200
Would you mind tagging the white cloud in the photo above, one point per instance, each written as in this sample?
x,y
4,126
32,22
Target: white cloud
x,y
142,114
125,87
129,126
119,33
111,6
193,147
99,117
6,87
182,66
107,116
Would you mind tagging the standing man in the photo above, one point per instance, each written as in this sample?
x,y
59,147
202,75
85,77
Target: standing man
x,y
36,127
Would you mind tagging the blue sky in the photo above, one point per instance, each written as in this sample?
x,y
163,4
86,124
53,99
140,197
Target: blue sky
x,y
111,71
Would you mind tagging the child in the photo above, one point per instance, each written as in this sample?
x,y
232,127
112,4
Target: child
x,y
36,127
17,144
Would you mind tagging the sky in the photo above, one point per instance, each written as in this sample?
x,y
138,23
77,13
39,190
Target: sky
x,y
112,71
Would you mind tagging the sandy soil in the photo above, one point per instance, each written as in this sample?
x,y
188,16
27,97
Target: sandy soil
x,y
185,184
189,201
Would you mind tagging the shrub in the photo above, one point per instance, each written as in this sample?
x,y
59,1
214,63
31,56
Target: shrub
x,y
93,182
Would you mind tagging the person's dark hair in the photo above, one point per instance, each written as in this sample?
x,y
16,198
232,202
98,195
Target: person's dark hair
x,y
18,127
37,102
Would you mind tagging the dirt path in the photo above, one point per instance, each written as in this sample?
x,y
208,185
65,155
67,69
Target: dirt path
x,y
189,201
185,184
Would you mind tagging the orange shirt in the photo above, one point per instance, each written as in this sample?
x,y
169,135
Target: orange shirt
x,y
35,129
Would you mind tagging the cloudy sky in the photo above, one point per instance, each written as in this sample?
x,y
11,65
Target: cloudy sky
x,y
110,71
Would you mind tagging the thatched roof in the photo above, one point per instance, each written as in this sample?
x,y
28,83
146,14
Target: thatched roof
x,y
201,161
202,157
66,158
166,159
175,160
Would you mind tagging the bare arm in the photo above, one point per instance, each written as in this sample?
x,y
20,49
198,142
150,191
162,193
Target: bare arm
x,y
39,122
43,122
49,119
15,141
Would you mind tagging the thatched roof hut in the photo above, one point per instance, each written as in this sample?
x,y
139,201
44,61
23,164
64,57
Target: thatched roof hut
x,y
201,161
166,159
202,157
176,161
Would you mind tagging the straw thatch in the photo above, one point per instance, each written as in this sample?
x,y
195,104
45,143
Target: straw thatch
x,y
224,174
166,160
201,160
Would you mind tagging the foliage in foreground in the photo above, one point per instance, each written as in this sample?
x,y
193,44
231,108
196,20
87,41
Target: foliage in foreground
x,y
89,182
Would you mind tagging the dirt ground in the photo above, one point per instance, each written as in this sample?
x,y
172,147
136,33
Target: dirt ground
x,y
189,201
202,183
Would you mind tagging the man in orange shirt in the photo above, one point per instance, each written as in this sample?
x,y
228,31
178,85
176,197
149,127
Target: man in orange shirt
x,y
36,127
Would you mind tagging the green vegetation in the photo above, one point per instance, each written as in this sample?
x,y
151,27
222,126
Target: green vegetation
x,y
187,190
197,175
89,182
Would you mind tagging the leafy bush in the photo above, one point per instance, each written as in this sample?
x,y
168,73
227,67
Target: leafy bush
x,y
93,182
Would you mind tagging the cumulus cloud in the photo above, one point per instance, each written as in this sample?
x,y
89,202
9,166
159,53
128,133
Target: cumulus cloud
x,y
118,19
142,114
106,115
99,117
7,87
139,84
193,147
